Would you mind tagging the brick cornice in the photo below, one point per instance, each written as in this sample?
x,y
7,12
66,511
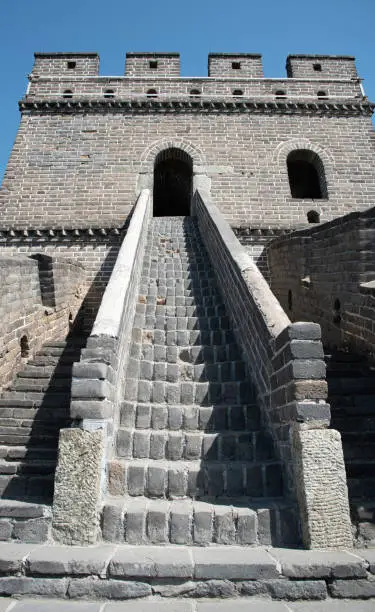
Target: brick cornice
x,y
143,106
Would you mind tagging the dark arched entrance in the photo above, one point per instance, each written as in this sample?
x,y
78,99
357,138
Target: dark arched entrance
x,y
173,178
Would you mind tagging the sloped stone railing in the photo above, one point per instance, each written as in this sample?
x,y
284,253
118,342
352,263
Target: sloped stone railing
x,y
285,361
97,389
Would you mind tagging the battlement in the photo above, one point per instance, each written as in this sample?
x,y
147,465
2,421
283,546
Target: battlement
x,y
72,64
235,65
321,66
152,64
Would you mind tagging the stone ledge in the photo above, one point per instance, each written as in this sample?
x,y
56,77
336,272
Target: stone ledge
x,y
126,572
141,105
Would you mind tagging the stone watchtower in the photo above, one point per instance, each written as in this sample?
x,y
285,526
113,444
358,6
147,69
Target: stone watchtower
x,y
138,209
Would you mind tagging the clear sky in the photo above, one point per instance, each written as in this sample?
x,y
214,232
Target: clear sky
x,y
274,28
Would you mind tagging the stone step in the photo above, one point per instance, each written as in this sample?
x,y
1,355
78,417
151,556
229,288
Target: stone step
x,y
34,399
24,521
17,453
358,451
28,466
197,354
353,424
54,360
361,488
18,436
173,372
351,385
178,291
185,338
195,479
181,300
40,384
360,468
188,393
34,414
166,274
197,282
27,487
37,371
352,404
241,417
359,438
54,350
180,311
184,522
166,323
191,446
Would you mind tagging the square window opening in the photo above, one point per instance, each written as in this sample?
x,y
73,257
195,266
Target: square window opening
x,y
236,65
72,65
153,64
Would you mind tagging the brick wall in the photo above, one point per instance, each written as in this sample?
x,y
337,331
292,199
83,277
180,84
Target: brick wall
x,y
235,65
326,274
284,360
83,169
156,64
331,66
94,250
26,322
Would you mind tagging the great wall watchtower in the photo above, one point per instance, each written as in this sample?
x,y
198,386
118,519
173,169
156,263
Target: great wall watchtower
x,y
150,224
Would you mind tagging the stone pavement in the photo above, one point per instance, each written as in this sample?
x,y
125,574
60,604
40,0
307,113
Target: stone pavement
x,y
184,579
230,605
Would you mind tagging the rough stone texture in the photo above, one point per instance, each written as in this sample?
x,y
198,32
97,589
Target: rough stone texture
x,y
321,488
336,261
35,304
78,485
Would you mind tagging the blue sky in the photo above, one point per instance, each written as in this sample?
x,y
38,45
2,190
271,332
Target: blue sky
x,y
194,28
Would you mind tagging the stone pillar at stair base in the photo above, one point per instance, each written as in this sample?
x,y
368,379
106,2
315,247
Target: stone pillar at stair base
x,y
321,488
78,486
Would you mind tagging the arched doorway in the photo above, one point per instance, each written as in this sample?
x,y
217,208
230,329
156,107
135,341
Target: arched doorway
x,y
173,179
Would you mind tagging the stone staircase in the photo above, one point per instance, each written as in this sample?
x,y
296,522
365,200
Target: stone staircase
x,y
193,464
33,409
351,393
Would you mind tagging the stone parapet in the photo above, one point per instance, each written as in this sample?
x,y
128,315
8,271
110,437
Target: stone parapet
x,y
97,389
286,364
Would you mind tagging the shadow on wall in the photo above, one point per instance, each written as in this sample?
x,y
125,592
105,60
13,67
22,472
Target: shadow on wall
x,y
41,394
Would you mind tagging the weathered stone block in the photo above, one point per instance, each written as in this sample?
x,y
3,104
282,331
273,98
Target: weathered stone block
x,y
321,488
78,486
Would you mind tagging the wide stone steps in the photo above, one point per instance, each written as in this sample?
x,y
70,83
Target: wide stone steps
x,y
32,411
188,392
173,323
192,463
153,310
190,446
196,479
188,522
351,385
197,354
185,338
205,301
225,371
241,417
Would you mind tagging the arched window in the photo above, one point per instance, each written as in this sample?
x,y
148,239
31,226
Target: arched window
x,y
152,93
109,93
306,175
237,92
195,92
313,216
24,346
280,93
322,94
68,93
